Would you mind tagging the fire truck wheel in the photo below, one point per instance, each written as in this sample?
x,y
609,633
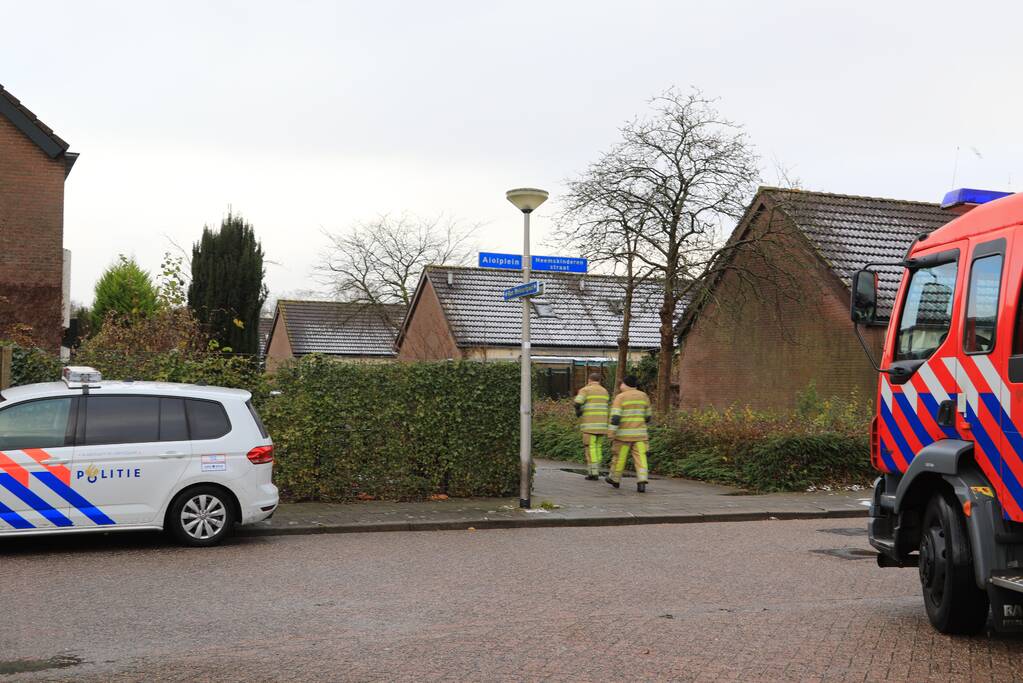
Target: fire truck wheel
x,y
954,603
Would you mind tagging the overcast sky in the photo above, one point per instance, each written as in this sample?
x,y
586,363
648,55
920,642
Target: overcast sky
x,y
305,116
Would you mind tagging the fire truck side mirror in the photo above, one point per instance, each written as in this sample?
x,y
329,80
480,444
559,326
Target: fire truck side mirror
x,y
863,304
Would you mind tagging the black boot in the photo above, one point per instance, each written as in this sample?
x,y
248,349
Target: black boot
x,y
641,487
592,477
611,481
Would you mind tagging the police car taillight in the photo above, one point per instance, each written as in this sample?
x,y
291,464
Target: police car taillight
x,y
80,376
261,455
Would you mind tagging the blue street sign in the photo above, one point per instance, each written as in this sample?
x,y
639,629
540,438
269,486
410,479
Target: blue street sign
x,y
534,288
556,264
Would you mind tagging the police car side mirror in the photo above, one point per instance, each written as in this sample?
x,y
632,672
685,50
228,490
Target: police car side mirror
x,y
863,301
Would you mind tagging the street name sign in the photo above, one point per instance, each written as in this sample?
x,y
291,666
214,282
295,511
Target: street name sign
x,y
534,288
549,264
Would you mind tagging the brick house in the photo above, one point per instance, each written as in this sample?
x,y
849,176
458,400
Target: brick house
x,y
345,331
459,313
762,337
34,162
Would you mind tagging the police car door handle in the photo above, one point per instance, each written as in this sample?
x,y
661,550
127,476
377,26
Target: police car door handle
x,y
172,454
55,461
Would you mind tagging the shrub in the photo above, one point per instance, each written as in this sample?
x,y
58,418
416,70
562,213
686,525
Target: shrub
x,y
823,442
555,435
31,365
394,430
794,462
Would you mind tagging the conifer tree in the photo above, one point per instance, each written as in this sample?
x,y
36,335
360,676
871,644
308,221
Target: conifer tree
x,y
227,290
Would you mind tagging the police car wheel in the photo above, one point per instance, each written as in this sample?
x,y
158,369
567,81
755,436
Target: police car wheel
x,y
954,603
200,516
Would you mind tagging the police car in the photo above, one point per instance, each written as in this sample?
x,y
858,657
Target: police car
x,y
90,455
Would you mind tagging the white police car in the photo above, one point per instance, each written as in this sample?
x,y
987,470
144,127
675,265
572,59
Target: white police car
x,y
88,455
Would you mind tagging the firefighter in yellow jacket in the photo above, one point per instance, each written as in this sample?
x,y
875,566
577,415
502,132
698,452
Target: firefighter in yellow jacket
x,y
591,409
630,414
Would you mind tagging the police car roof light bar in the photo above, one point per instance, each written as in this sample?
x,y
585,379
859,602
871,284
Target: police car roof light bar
x,y
80,376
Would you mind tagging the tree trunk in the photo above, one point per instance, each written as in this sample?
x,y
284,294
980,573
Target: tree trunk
x,y
623,338
664,358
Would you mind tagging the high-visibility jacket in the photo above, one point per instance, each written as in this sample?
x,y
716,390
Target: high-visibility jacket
x,y
591,406
630,413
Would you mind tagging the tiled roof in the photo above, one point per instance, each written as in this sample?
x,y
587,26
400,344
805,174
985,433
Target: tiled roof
x,y
340,329
265,325
850,232
585,309
34,129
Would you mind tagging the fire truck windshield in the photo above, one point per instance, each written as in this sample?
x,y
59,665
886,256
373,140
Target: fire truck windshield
x,y
926,312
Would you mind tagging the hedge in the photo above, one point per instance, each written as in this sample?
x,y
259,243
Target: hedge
x,y
822,443
29,365
399,431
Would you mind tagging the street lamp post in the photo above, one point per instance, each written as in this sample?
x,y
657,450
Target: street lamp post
x,y
526,199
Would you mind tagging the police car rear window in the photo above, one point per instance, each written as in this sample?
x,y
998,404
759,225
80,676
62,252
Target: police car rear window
x,y
206,419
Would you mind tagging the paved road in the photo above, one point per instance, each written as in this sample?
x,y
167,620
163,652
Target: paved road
x,y
716,601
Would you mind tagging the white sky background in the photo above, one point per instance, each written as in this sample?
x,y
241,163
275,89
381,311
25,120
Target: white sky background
x,y
311,115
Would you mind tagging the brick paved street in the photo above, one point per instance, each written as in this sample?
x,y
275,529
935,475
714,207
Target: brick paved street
x,y
715,601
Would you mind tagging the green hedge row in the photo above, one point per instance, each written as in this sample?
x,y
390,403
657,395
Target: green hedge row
x,y
394,430
342,430
29,365
757,451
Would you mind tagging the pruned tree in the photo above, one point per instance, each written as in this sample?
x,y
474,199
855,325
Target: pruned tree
x,y
682,175
600,223
379,262
226,291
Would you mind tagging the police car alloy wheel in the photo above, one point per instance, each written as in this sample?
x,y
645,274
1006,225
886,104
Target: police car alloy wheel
x,y
201,516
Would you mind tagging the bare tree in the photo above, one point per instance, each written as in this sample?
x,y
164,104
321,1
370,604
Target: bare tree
x,y
601,224
689,173
379,262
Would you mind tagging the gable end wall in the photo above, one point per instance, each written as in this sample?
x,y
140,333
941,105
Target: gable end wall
x,y
759,349
31,238
428,336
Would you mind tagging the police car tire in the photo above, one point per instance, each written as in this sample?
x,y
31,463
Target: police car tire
x,y
954,603
176,526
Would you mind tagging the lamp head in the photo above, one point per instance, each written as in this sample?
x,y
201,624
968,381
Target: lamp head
x,y
526,199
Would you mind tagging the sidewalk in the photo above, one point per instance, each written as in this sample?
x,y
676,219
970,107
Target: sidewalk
x,y
582,503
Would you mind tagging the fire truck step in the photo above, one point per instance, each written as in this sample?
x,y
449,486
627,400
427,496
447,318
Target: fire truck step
x,y
1013,583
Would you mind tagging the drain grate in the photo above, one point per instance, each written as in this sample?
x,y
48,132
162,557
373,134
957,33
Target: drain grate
x,y
852,531
847,553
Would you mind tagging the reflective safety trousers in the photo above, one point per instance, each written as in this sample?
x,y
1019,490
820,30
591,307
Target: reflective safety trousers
x,y
621,451
591,402
593,448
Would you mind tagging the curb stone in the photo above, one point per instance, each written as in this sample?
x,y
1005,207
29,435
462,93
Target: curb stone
x,y
543,522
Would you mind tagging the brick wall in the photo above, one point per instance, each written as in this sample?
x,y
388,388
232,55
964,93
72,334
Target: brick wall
x,y
279,350
428,336
764,338
31,238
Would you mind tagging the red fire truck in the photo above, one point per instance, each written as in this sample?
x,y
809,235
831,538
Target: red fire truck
x,y
946,436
